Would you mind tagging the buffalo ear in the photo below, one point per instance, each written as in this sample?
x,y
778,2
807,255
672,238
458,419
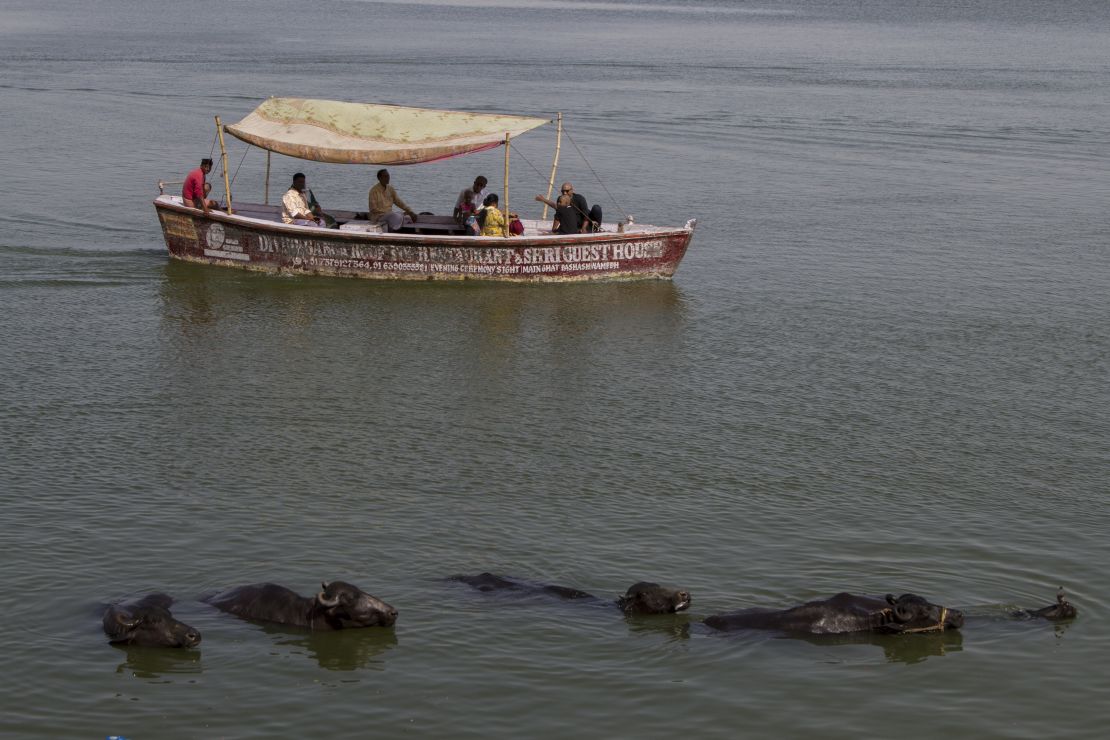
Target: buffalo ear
x,y
891,600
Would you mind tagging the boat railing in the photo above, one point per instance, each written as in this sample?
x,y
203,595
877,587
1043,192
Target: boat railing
x,y
427,224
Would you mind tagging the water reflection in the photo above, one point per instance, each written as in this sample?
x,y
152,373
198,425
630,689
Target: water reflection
x,y
673,626
897,648
1059,628
492,317
1001,623
468,342
150,662
342,650
186,297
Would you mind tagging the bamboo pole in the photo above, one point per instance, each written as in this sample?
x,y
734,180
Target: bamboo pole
x,y
267,200
554,162
506,185
223,157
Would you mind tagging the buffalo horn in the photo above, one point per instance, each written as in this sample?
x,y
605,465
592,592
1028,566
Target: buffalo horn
x,y
126,620
324,600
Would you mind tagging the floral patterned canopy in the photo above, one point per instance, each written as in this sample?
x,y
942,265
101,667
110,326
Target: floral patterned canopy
x,y
365,133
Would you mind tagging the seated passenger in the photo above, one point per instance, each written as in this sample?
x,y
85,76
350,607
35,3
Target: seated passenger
x,y
294,205
470,223
317,211
194,192
491,217
587,219
470,199
382,198
565,219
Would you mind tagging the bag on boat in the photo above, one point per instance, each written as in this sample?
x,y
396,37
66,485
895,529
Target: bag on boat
x,y
516,228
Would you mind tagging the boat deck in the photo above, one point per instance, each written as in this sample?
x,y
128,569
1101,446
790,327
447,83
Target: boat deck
x,y
426,224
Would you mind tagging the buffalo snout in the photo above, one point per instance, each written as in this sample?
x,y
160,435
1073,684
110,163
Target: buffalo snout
x,y
390,617
372,611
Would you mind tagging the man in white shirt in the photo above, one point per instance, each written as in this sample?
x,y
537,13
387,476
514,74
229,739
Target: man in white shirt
x,y
473,197
294,205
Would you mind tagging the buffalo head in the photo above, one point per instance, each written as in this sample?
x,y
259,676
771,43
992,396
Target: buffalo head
x,y
148,622
911,613
1058,612
347,606
651,598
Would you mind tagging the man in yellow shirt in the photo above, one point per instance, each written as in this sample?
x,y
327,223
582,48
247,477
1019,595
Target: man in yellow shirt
x,y
382,199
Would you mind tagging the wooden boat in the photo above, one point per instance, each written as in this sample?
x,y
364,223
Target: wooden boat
x,y
252,236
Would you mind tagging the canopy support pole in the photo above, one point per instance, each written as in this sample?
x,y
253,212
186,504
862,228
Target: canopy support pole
x,y
554,162
223,158
506,184
267,193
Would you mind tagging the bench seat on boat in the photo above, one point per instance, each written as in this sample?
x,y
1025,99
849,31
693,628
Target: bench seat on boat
x,y
428,224
362,226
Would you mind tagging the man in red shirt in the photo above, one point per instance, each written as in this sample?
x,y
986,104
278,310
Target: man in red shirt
x,y
192,194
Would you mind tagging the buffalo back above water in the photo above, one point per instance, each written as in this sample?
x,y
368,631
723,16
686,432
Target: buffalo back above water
x,y
489,582
338,605
846,613
147,622
640,598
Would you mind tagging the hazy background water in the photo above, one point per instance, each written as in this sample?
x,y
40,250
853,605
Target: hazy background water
x,y
881,367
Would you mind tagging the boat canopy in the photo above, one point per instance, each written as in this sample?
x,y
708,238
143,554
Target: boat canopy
x,y
365,133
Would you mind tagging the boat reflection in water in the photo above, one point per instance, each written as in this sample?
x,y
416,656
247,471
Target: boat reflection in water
x,y
201,304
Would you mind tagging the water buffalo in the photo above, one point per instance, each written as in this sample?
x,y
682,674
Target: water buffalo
x,y
640,598
651,598
337,606
148,622
1057,612
845,613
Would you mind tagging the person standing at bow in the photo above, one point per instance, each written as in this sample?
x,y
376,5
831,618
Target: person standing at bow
x,y
382,199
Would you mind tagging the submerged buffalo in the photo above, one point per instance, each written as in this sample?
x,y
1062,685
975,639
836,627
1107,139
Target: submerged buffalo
x,y
845,613
1058,612
148,622
640,598
337,606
